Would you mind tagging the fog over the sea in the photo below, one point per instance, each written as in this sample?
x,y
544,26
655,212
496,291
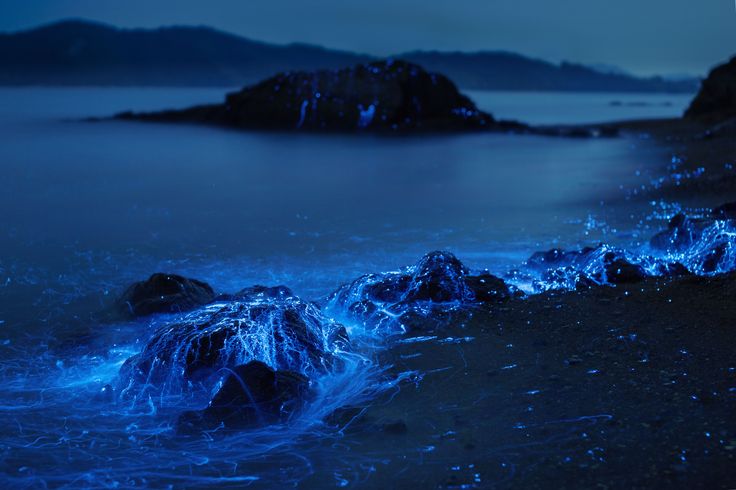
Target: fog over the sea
x,y
641,36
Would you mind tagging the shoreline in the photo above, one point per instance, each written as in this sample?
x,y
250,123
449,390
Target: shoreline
x,y
628,386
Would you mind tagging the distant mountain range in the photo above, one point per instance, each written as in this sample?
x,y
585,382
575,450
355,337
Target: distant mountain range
x,y
79,52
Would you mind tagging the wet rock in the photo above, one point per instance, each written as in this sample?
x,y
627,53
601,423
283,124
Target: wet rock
x,y
164,293
487,288
380,96
621,271
716,100
284,332
680,234
419,297
713,257
705,245
603,264
438,277
253,395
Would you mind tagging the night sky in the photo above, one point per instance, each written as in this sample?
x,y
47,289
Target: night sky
x,y
641,36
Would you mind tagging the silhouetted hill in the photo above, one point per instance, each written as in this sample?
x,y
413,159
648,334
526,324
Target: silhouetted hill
x,y
500,70
87,53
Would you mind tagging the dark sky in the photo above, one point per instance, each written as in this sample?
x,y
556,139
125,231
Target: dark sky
x,y
642,36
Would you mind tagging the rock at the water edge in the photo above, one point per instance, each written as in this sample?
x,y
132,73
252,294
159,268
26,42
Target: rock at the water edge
x,y
380,96
704,244
680,234
621,271
190,353
253,395
164,293
601,265
417,297
716,101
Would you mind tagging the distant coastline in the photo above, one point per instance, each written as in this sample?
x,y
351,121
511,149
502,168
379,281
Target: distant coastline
x,y
83,53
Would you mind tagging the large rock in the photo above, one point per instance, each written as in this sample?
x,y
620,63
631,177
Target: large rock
x,y
704,244
189,355
559,269
681,233
380,96
419,297
716,101
253,395
164,293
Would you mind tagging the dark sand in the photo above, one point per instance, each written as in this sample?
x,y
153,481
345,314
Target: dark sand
x,y
612,387
690,141
625,387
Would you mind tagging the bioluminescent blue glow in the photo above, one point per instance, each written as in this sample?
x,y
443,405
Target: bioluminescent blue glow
x,y
92,402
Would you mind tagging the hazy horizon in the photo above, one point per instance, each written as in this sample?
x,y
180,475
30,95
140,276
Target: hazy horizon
x,y
659,37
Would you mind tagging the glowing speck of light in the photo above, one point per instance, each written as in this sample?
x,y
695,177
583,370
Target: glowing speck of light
x,y
302,113
366,115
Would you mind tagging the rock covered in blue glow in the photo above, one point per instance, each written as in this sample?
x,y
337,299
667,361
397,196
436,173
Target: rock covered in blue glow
x,y
559,269
252,395
425,293
704,245
263,324
164,293
700,245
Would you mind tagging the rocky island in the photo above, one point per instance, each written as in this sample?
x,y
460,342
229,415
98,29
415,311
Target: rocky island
x,y
383,96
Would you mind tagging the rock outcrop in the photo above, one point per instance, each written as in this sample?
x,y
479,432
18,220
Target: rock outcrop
x,y
601,265
164,293
253,395
417,297
380,96
716,101
282,331
705,244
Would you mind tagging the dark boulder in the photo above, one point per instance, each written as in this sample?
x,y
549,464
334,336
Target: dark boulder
x,y
681,233
286,333
716,100
253,395
559,269
420,297
487,288
380,96
164,293
438,277
621,271
705,244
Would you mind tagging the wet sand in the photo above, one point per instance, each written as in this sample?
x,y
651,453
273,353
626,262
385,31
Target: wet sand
x,y
700,148
629,386
612,387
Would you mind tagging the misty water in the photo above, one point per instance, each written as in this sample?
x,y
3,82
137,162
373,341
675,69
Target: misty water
x,y
87,208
